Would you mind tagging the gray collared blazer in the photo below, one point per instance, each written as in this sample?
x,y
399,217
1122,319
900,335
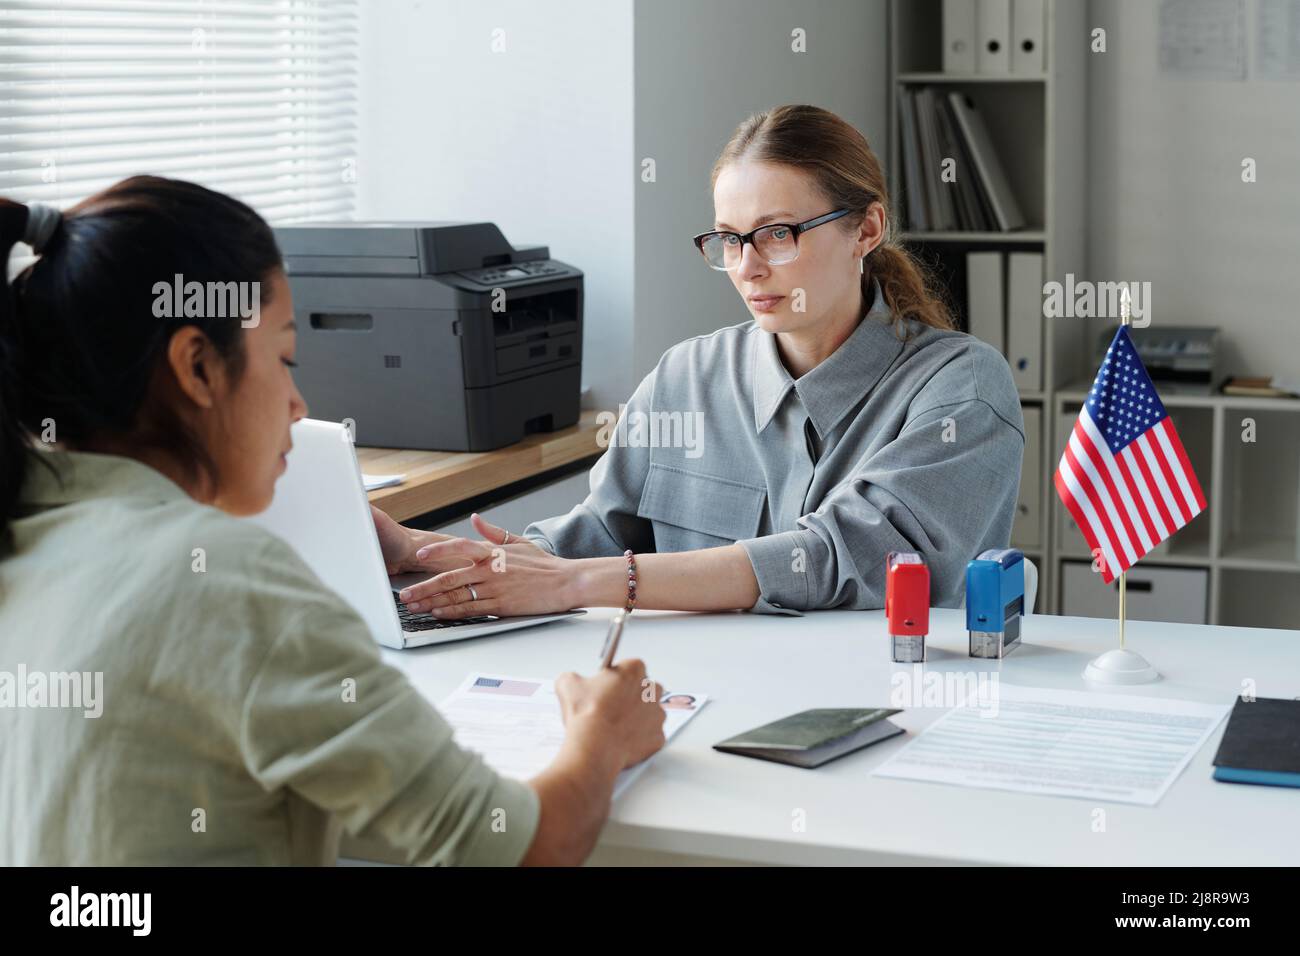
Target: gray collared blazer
x,y
907,438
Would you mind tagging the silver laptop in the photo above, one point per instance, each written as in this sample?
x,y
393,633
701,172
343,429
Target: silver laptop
x,y
320,509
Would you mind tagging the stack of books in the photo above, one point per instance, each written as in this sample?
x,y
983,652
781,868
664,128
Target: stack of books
x,y
953,180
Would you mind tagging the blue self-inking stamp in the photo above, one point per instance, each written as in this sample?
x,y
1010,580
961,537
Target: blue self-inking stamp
x,y
995,602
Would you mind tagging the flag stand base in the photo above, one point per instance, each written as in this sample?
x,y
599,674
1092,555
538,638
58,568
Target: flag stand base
x,y
1120,666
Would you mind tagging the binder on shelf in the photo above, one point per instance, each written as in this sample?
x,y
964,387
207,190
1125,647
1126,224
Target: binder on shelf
x,y
993,26
913,191
1028,32
951,190
964,194
968,183
959,36
992,176
1025,319
1026,532
938,196
984,297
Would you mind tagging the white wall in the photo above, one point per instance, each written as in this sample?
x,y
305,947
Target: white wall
x,y
537,139
546,139
1167,204
701,68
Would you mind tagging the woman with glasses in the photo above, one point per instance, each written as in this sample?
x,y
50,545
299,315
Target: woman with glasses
x,y
845,419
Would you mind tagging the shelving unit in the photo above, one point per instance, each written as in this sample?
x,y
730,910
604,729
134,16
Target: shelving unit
x,y
1037,125
1246,540
1247,537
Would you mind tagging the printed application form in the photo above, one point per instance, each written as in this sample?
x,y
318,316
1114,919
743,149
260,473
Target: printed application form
x,y
515,723
1061,742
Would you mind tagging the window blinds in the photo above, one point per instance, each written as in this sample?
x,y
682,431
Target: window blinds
x,y
256,98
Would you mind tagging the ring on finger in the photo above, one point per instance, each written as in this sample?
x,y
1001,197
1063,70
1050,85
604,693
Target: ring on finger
x,y
506,539
473,595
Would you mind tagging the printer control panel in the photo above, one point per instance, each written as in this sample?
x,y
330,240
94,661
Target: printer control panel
x,y
514,272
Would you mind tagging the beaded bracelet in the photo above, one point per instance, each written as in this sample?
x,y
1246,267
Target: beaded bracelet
x,y
631,581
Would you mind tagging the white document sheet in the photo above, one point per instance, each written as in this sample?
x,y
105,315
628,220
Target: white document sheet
x,y
515,723
375,482
1109,747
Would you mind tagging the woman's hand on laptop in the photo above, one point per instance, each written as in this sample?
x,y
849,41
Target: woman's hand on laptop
x,y
491,577
509,576
400,544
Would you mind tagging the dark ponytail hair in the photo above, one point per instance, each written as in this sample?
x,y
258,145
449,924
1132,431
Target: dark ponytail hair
x,y
80,346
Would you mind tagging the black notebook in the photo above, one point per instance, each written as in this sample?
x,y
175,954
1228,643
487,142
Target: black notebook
x,y
813,737
1261,743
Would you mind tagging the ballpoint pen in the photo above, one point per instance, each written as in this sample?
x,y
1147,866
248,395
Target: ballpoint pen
x,y
610,647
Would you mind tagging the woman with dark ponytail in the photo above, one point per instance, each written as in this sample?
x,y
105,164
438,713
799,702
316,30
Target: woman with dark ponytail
x,y
773,464
80,343
171,679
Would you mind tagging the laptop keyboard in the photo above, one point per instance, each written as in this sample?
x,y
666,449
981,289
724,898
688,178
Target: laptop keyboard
x,y
413,621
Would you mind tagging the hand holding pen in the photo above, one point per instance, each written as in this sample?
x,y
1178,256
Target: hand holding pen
x,y
617,705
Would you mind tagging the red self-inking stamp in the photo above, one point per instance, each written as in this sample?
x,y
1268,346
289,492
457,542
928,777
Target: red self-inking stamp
x,y
907,605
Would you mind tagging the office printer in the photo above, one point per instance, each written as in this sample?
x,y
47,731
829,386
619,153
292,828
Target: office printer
x,y
433,335
1180,359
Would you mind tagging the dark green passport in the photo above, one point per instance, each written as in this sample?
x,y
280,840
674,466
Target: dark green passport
x,y
813,737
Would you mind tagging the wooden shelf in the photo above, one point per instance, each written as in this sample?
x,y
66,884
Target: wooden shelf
x,y
439,479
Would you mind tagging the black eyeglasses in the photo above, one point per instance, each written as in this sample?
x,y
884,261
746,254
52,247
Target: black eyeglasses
x,y
777,242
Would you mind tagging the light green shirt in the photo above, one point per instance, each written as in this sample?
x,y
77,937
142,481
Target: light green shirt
x,y
247,716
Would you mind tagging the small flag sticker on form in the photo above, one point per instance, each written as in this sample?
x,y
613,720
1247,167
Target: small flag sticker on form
x,y
494,685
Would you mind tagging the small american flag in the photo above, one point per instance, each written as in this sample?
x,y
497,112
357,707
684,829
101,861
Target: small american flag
x,y
1125,476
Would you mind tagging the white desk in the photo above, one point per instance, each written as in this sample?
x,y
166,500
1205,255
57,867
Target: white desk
x,y
695,802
